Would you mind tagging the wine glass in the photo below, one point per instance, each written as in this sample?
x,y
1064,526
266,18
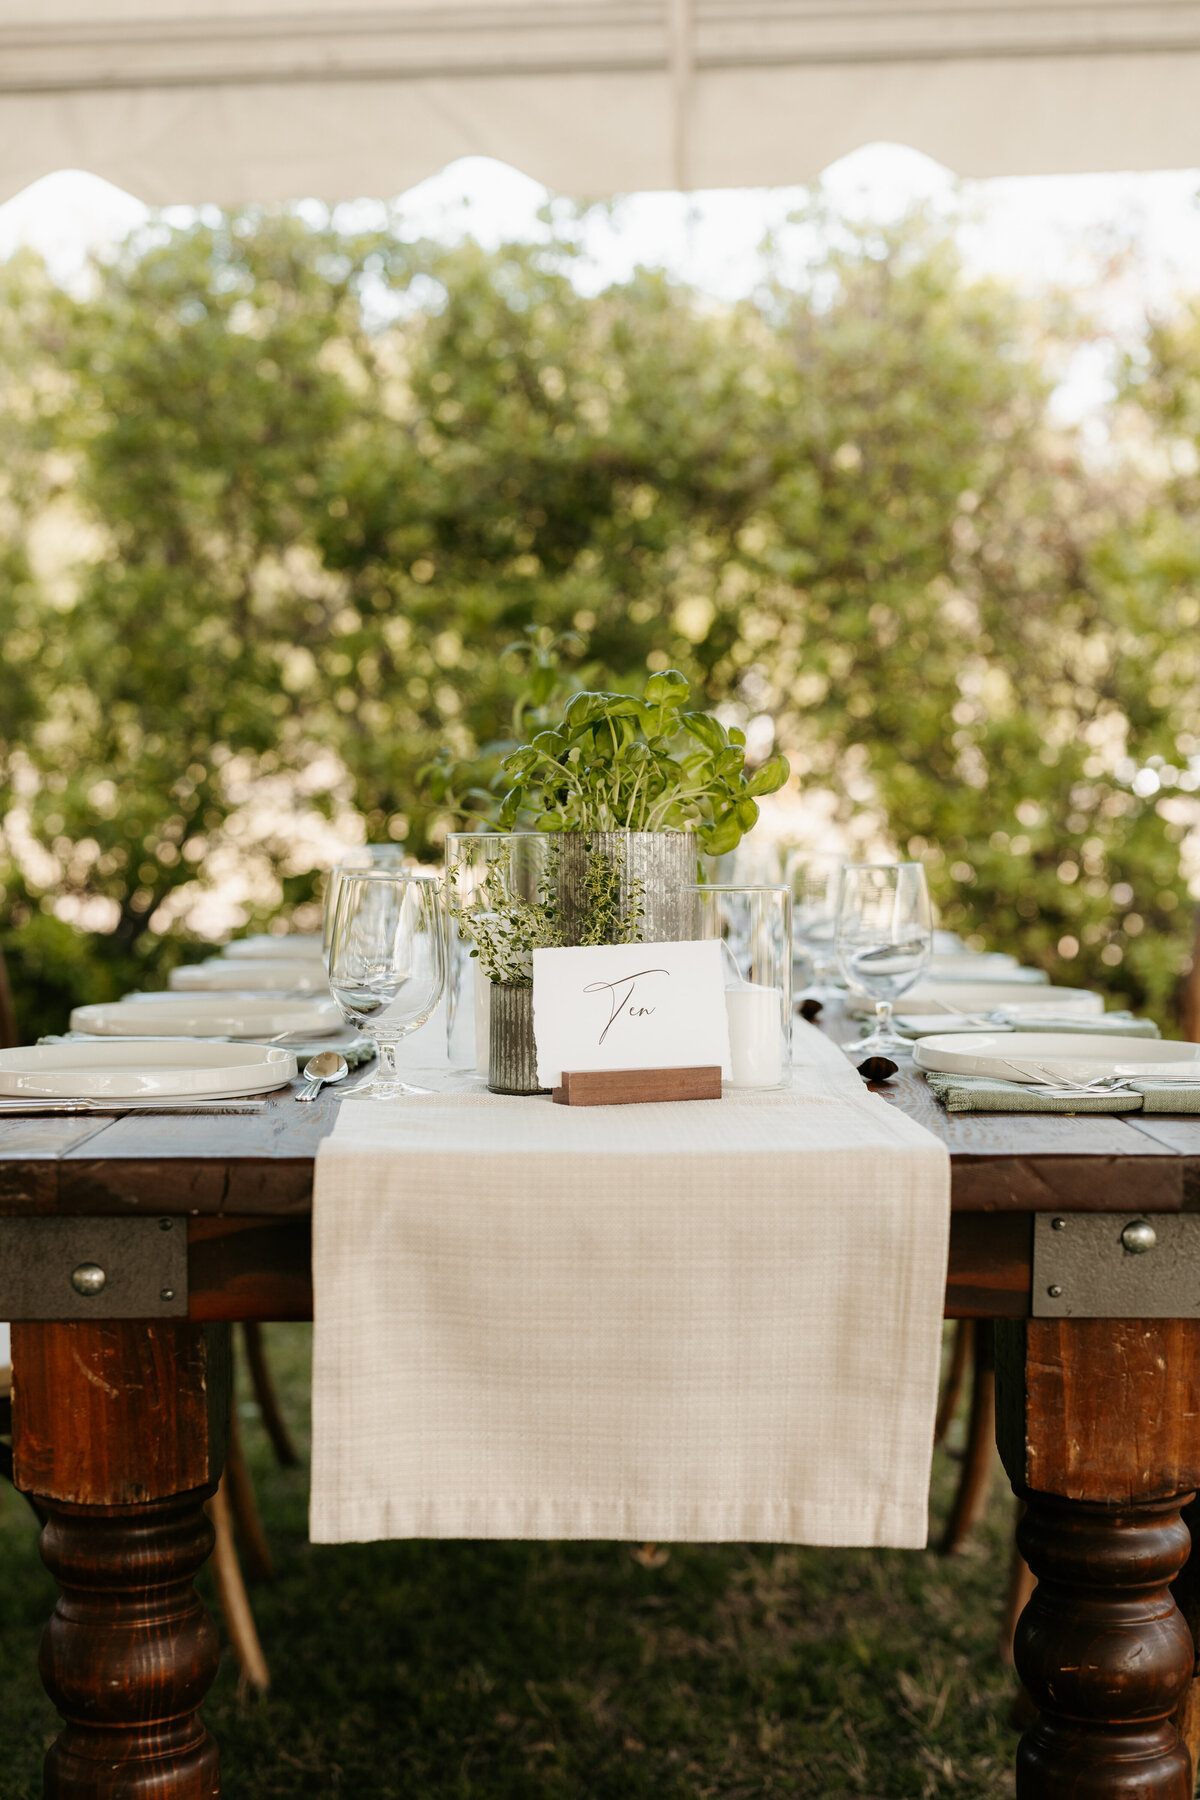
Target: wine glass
x,y
368,856
387,963
883,939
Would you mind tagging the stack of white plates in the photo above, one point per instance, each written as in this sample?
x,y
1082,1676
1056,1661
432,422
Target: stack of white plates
x,y
975,965
987,996
209,1016
250,976
264,946
953,971
116,1071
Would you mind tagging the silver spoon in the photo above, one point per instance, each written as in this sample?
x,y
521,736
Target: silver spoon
x,y
329,1066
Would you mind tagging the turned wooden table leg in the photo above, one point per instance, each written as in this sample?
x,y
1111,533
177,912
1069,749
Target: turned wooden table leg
x,y
1095,1425
1103,1651
118,1430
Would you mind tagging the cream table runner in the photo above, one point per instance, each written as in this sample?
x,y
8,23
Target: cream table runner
x,y
707,1321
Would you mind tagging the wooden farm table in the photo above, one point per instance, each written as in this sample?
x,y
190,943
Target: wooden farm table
x,y
118,1423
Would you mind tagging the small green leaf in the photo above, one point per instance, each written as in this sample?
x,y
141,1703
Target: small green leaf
x,y
668,687
585,706
550,742
771,777
722,837
705,729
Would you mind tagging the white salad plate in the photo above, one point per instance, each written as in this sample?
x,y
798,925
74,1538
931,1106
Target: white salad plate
x,y
110,1071
263,947
1036,1055
208,1015
988,996
260,977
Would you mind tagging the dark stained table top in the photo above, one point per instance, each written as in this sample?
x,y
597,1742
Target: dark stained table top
x,y
261,1165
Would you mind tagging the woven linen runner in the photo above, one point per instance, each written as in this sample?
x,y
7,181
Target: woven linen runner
x,y
703,1321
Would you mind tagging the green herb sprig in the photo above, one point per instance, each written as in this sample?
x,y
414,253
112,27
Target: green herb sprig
x,y
606,920
504,928
619,763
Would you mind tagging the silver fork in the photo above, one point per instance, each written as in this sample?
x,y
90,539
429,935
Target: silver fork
x,y
1055,1087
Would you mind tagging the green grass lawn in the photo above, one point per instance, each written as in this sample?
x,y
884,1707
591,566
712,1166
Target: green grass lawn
x,y
453,1671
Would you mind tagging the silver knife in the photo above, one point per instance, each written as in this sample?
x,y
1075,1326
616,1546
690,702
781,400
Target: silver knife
x,y
39,1104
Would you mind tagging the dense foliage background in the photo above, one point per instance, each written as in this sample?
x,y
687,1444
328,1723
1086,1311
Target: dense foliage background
x,y
274,500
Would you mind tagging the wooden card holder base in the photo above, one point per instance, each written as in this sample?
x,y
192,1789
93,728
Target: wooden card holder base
x,y
634,1087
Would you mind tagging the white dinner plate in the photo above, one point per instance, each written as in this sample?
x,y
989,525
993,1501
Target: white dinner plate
x,y
300,946
1018,1055
986,996
260,977
208,1015
113,1070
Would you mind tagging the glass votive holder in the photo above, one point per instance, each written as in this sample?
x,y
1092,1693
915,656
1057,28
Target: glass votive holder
x,y
813,878
755,926
518,860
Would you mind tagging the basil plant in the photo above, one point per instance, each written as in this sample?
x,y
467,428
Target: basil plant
x,y
618,763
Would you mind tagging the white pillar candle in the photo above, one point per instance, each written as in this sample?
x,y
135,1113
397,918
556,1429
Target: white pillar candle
x,y
483,1017
755,1035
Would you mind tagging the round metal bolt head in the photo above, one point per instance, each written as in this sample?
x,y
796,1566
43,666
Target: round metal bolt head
x,y
166,1293
1058,1224
88,1278
1055,1292
1139,1236
166,1224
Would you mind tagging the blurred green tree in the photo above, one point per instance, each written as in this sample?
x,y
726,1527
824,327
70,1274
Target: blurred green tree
x,y
310,486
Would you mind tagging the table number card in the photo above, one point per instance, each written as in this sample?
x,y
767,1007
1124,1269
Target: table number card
x,y
629,1006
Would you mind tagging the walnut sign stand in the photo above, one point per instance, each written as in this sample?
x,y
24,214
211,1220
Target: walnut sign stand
x,y
635,1087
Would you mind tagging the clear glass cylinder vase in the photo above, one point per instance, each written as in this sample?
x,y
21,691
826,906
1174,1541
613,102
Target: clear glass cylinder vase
x,y
754,924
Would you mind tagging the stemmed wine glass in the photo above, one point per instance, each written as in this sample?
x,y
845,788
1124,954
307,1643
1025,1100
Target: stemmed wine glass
x,y
369,856
884,938
387,963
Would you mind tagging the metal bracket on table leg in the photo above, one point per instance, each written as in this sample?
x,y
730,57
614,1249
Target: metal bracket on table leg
x,y
73,1268
1116,1266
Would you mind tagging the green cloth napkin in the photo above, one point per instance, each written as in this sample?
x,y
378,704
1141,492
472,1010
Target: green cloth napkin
x,y
987,1093
1116,1024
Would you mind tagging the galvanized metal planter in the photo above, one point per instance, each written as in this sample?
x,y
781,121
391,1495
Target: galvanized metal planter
x,y
512,1053
665,862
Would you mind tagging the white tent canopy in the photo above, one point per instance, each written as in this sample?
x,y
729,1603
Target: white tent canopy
x,y
240,100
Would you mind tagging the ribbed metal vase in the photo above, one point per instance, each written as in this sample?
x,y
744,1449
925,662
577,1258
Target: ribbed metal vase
x,y
512,1053
665,863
